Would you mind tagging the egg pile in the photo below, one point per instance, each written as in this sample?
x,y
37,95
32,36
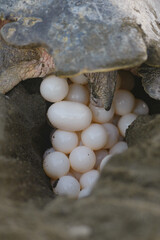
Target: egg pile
x,y
85,136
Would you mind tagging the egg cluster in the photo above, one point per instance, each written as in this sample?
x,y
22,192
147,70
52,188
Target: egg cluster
x,y
86,136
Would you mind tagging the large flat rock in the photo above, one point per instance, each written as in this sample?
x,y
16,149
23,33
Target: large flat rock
x,y
86,36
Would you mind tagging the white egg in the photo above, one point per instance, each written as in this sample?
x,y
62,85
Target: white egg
x,y
67,186
64,141
80,79
141,107
100,154
113,134
69,116
104,161
125,121
82,159
100,115
124,102
94,137
85,192
78,93
56,164
89,179
54,89
48,151
118,148
127,80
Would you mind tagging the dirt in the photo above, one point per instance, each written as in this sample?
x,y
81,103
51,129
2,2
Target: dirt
x,y
124,203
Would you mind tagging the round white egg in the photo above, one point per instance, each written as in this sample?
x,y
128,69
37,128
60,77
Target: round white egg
x,y
100,154
64,141
78,93
113,134
104,161
94,137
56,164
124,102
67,186
140,108
89,179
80,79
54,89
82,159
118,148
100,115
69,116
125,121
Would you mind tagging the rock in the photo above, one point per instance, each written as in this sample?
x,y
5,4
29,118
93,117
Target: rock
x,y
151,80
73,37
86,36
17,64
124,204
22,119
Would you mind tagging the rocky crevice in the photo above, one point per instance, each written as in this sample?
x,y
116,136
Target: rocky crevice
x,y
124,203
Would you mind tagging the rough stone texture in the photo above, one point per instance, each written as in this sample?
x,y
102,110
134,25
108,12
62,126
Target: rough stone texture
x,y
123,205
22,118
151,80
86,35
71,37
17,64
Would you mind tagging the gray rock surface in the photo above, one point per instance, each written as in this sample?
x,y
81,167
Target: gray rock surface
x,y
67,37
86,36
124,204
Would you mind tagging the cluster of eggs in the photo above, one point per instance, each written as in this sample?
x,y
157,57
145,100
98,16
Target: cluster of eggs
x,y
86,136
